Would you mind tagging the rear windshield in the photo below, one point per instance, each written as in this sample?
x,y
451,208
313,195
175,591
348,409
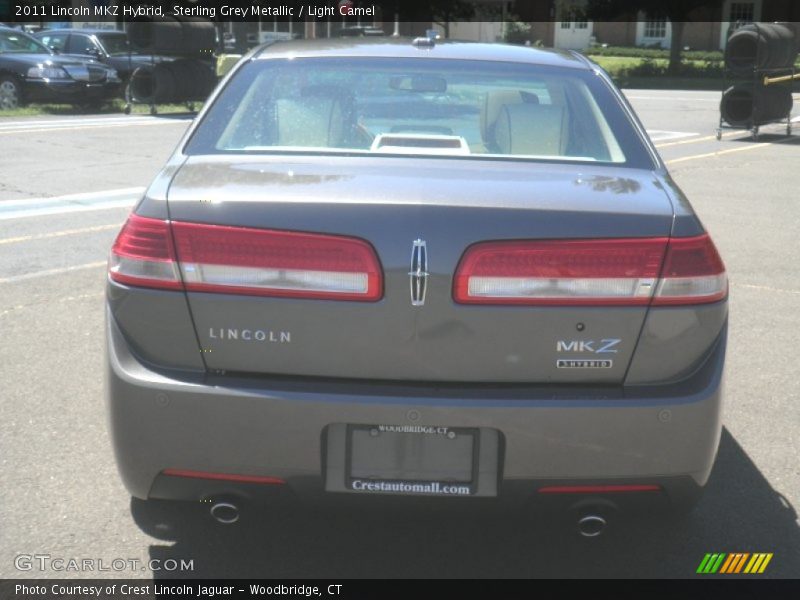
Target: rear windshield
x,y
16,41
114,43
415,106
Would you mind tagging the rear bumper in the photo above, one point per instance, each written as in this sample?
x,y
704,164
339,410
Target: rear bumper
x,y
667,435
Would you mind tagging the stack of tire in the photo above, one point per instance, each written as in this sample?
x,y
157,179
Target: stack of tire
x,y
752,51
188,78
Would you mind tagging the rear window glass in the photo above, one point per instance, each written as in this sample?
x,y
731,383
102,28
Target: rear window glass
x,y
113,43
418,107
14,41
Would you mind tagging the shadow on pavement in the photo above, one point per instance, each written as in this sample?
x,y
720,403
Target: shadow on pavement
x,y
767,137
740,512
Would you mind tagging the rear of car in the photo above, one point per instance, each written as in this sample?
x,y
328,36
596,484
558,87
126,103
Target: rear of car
x,y
382,269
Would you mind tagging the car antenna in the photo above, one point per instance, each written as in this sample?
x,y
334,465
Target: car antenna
x,y
428,40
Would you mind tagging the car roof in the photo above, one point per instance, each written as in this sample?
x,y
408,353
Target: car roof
x,y
404,48
6,28
81,30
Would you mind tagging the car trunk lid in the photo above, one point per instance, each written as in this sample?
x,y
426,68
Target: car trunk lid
x,y
398,205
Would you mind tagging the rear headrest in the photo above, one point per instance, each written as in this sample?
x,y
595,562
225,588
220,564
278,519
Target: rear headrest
x,y
495,101
535,129
315,122
317,118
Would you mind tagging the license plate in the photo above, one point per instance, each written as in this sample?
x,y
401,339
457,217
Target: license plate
x,y
410,459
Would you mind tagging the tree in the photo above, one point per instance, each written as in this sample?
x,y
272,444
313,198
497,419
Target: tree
x,y
446,11
677,11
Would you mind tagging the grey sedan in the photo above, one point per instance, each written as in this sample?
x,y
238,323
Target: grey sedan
x,y
382,267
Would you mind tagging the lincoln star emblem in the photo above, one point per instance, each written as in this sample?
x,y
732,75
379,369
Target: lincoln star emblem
x,y
418,273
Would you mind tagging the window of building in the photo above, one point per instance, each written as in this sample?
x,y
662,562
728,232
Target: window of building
x,y
742,13
573,23
655,28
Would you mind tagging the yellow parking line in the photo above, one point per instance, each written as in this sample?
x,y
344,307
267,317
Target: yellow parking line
x,y
766,288
49,300
700,139
48,272
44,236
720,152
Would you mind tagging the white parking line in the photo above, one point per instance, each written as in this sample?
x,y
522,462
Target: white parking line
x,y
658,135
46,273
55,234
672,98
86,123
37,207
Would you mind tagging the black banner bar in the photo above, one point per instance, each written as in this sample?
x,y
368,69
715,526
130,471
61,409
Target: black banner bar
x,y
365,11
211,589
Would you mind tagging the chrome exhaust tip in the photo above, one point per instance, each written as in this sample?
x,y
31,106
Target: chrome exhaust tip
x,y
591,525
225,513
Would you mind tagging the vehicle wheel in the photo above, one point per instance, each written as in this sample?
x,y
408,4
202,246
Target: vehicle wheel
x,y
127,109
10,93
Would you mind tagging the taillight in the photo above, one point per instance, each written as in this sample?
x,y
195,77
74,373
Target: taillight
x,y
609,272
143,256
560,272
693,273
243,260
223,476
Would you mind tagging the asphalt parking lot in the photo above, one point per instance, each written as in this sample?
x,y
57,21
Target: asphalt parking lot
x,y
66,187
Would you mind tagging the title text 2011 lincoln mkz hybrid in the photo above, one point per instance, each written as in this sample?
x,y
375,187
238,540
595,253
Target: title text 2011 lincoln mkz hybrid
x,y
415,267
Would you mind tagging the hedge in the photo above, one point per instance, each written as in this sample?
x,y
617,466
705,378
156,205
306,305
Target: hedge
x,y
634,52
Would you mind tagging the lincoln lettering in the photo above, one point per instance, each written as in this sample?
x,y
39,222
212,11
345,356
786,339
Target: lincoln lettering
x,y
250,335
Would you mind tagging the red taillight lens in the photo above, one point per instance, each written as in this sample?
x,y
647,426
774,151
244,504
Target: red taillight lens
x,y
560,272
242,260
693,273
142,255
615,272
224,476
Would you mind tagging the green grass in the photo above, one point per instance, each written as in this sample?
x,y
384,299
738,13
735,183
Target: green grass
x,y
669,83
113,107
628,71
631,71
616,65
637,52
